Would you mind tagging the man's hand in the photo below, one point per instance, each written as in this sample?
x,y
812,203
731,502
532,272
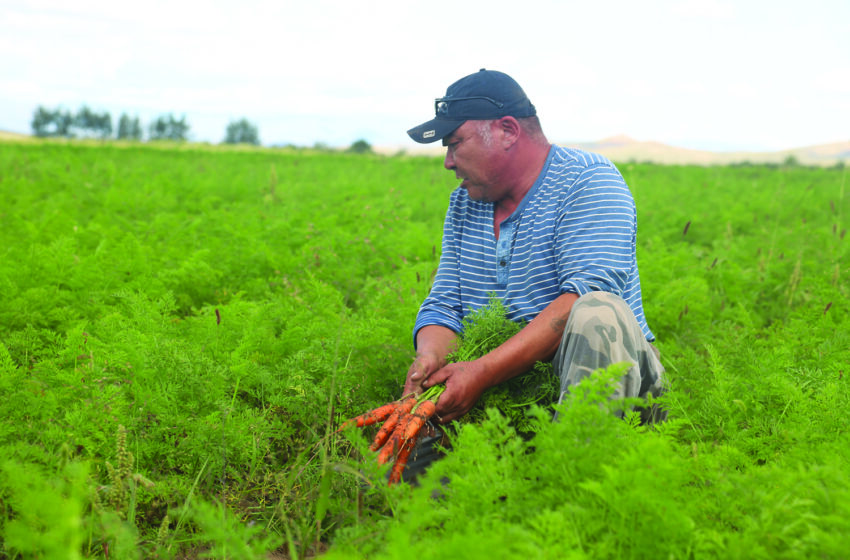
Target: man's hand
x,y
423,366
464,387
434,343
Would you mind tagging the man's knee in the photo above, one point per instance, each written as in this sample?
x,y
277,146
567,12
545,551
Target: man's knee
x,y
598,312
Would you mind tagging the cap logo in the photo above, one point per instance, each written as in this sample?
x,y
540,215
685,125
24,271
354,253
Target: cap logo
x,y
429,134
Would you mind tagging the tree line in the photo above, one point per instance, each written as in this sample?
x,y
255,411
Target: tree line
x,y
86,123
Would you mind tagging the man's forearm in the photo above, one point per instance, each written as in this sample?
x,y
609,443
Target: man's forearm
x,y
433,344
436,340
467,381
538,341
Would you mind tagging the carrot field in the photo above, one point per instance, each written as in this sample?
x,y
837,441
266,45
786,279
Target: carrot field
x,y
183,328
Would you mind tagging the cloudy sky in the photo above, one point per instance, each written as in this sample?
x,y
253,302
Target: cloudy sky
x,y
707,74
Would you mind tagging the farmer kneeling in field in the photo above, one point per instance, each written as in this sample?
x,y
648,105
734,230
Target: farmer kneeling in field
x,y
551,231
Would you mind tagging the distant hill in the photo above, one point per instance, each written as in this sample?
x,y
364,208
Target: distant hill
x,y
13,136
623,149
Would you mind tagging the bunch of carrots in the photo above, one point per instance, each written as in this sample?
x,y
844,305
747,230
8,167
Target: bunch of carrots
x,y
403,421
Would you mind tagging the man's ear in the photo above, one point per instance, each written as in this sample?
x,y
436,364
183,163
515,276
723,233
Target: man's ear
x,y
510,131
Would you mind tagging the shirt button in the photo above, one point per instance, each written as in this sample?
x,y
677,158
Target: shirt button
x,y
502,263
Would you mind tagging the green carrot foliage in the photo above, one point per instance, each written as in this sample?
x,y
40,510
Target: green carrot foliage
x,y
183,328
485,329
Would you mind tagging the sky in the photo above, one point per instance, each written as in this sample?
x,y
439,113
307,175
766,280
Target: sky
x,y
702,74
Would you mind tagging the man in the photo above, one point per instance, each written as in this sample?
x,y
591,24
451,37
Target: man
x,y
551,231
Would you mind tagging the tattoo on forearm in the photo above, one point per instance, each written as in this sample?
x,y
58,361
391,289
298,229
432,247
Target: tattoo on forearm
x,y
558,324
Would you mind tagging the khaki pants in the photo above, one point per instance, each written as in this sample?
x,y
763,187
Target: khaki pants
x,y
602,330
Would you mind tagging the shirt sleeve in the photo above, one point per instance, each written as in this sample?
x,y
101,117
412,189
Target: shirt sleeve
x,y
596,234
443,305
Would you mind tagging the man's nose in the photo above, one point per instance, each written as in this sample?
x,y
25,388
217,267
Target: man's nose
x,y
449,162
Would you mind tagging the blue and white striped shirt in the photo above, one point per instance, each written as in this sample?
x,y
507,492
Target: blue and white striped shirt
x,y
573,232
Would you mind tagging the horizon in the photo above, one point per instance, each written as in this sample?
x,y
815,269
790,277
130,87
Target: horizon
x,y
329,73
610,140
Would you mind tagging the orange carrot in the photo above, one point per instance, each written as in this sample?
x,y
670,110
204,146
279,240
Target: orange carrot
x,y
372,417
395,440
401,461
401,409
423,412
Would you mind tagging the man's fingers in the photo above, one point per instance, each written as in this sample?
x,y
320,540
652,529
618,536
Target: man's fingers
x,y
418,371
435,378
418,376
447,417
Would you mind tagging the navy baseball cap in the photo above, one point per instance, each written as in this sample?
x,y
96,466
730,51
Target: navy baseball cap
x,y
485,95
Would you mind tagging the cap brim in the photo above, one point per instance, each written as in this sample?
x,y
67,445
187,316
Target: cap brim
x,y
433,130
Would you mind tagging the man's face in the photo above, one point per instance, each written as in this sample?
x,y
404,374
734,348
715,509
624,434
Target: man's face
x,y
473,157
